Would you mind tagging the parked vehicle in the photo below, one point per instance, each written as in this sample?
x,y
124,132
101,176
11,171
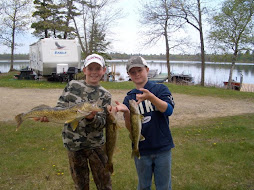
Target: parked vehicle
x,y
52,58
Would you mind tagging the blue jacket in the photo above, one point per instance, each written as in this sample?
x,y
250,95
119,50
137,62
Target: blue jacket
x,y
155,126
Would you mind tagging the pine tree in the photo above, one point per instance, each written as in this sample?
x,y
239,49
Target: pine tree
x,y
53,19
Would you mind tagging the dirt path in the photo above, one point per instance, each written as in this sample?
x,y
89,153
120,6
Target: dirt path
x,y
188,108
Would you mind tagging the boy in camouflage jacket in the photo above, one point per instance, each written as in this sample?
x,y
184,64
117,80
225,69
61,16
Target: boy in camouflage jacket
x,y
85,144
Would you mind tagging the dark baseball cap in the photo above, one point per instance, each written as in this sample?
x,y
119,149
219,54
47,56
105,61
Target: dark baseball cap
x,y
136,61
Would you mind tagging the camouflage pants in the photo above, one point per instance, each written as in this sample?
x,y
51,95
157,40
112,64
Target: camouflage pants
x,y
96,158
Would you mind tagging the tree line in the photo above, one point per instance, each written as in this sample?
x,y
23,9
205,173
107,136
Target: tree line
x,y
90,21
242,58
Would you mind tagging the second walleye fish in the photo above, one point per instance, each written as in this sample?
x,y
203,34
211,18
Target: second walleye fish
x,y
136,126
70,115
111,138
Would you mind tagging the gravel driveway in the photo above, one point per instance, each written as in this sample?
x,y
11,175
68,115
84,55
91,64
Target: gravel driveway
x,y
188,108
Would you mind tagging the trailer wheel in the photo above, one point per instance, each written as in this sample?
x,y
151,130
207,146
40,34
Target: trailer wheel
x,y
60,79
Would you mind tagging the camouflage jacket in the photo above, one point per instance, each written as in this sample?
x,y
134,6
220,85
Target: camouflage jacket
x,y
89,133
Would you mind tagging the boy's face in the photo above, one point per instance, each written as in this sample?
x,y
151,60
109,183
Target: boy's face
x,y
94,73
139,75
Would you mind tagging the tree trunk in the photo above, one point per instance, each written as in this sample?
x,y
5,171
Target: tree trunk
x,y
231,70
13,43
91,41
202,46
168,63
46,33
69,7
167,51
12,53
78,35
202,59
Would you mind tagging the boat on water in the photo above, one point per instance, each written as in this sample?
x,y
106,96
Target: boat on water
x,y
152,73
183,77
159,78
175,77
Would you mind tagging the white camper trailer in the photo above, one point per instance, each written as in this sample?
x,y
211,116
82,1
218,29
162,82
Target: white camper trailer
x,y
49,54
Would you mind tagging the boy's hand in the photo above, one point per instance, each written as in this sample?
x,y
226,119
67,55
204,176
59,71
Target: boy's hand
x,y
121,107
42,119
147,95
112,109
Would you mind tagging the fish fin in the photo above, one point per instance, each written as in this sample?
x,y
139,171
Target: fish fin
x,y
135,153
74,124
142,138
42,106
141,117
109,168
69,121
19,120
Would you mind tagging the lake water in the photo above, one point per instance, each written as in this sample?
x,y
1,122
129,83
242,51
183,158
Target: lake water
x,y
215,73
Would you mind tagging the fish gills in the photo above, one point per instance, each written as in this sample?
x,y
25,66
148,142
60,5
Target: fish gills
x,y
136,126
111,138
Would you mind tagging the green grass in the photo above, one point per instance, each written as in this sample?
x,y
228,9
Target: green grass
x,y
7,80
215,154
34,158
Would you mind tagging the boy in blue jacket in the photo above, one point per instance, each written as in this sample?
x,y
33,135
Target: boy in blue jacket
x,y
156,105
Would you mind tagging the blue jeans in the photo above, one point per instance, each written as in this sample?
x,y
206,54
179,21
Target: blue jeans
x,y
157,164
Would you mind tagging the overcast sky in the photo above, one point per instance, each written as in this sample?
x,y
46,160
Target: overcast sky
x,y
126,38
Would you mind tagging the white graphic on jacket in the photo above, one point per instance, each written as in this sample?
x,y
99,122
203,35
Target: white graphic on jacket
x,y
148,107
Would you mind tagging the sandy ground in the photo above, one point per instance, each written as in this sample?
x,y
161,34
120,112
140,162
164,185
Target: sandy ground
x,y
188,108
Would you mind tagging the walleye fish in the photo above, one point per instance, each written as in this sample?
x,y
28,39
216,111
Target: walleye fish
x,y
70,115
136,125
111,138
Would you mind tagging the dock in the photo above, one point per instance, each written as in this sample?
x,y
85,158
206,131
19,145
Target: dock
x,y
247,87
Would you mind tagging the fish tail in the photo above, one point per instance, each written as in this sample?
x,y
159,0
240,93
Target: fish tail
x,y
109,168
135,153
19,120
